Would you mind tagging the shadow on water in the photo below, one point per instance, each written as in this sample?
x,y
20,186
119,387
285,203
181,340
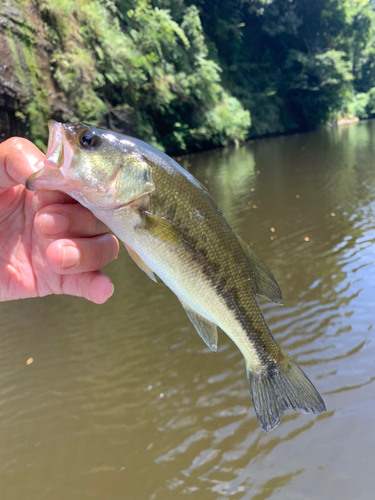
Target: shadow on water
x,y
125,401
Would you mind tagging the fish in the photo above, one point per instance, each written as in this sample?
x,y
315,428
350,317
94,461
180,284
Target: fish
x,y
172,228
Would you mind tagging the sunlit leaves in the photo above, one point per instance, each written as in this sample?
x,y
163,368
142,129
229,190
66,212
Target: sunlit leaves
x,y
131,65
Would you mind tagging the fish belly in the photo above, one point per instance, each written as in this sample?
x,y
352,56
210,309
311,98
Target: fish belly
x,y
171,264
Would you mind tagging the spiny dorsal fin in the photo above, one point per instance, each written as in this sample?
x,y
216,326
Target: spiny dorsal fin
x,y
140,263
266,283
206,329
202,186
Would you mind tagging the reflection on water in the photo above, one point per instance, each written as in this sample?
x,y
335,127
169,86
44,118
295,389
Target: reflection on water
x,y
125,401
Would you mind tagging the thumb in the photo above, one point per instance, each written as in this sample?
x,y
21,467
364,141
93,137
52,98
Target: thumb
x,y
19,158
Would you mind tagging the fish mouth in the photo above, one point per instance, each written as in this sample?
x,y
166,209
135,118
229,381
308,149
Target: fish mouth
x,y
50,176
55,147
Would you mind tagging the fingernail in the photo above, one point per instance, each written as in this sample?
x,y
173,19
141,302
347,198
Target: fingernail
x,y
53,224
70,256
113,290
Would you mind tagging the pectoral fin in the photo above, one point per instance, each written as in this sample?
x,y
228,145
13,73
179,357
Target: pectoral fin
x,y
140,263
266,283
161,228
206,329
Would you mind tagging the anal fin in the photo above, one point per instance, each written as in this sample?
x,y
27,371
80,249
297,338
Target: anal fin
x,y
140,263
206,329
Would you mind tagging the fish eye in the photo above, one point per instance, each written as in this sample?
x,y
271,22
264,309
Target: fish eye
x,y
86,140
89,140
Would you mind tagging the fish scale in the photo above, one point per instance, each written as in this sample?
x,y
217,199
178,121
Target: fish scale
x,y
172,227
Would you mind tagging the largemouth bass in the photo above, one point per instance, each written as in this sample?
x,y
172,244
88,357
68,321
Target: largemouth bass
x,y
172,227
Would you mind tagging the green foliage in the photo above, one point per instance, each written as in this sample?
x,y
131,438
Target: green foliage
x,y
293,63
226,120
22,46
370,106
359,107
130,66
188,74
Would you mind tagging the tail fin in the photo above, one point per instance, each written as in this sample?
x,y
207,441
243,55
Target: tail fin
x,y
283,388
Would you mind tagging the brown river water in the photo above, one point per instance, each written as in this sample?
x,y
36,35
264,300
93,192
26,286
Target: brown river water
x,y
124,400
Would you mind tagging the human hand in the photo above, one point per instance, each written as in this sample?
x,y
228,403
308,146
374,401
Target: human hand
x,y
49,243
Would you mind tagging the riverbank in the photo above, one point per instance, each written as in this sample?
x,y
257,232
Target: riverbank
x,y
182,78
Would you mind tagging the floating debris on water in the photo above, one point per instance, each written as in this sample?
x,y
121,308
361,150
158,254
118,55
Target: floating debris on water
x,y
333,214
297,196
307,238
161,395
254,206
272,229
29,361
258,172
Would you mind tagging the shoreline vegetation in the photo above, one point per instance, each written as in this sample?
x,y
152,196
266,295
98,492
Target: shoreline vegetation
x,y
186,75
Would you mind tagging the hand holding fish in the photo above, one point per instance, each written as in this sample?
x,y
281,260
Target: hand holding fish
x,y
49,243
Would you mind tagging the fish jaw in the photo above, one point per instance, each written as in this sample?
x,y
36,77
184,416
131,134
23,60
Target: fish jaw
x,y
51,178
46,178
55,149
56,163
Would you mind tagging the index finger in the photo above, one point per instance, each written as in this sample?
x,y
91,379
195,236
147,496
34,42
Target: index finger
x,y
19,158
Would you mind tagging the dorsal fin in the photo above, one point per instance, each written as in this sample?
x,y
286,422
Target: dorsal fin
x,y
206,329
265,282
140,263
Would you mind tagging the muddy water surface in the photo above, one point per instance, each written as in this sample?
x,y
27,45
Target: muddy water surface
x,y
124,401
